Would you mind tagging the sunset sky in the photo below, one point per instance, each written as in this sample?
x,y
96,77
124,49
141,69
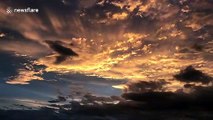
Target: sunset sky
x,y
106,55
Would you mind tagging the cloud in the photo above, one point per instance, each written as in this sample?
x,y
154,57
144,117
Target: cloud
x,y
148,105
57,47
190,74
13,40
169,100
139,41
59,99
25,76
63,52
88,3
139,38
146,86
133,40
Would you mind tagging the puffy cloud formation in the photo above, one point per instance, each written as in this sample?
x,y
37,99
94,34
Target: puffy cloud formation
x,y
151,44
143,39
190,74
164,105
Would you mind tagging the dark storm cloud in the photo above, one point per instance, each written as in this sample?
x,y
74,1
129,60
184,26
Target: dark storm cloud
x,y
57,47
136,102
200,99
100,113
64,52
146,86
160,100
92,99
190,74
149,105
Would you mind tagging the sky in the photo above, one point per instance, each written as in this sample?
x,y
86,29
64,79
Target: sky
x,y
93,58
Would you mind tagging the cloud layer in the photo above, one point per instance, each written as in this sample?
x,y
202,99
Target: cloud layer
x,y
143,39
163,49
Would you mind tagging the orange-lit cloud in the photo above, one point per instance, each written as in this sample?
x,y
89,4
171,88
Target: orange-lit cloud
x,y
120,16
25,76
131,39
